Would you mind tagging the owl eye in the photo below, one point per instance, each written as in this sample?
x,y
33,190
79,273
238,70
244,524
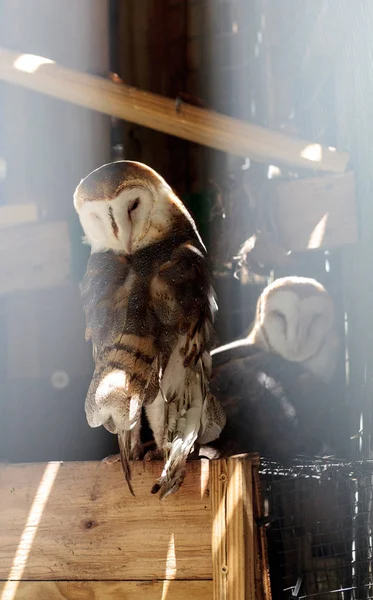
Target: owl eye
x,y
278,313
134,205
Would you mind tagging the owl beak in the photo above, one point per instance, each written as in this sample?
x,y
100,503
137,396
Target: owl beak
x,y
128,247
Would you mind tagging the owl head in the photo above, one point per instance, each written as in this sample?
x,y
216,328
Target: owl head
x,y
125,206
295,319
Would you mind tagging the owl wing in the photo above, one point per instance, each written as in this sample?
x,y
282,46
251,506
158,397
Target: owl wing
x,y
260,417
126,368
103,291
183,298
241,348
270,407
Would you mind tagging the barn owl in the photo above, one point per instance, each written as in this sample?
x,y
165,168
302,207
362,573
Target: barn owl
x,y
149,307
295,319
274,407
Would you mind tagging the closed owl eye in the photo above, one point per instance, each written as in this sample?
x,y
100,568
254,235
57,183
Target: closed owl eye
x,y
279,314
134,205
313,322
284,324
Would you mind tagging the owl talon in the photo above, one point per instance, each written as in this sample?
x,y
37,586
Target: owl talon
x,y
137,452
184,351
111,459
195,329
191,355
154,455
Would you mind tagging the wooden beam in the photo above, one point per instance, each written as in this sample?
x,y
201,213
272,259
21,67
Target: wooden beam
x,y
107,590
197,125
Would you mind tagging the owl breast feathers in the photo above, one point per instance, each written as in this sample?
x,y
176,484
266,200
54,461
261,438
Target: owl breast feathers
x,y
149,307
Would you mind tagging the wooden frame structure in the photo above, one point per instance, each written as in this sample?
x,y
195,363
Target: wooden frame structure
x,y
72,531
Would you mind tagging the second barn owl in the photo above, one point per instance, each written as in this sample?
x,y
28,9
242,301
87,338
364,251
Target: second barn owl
x,y
295,318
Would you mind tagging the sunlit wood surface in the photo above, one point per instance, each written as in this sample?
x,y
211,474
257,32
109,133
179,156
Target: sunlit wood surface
x,y
73,531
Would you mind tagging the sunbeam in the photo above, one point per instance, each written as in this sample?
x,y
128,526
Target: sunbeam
x,y
29,532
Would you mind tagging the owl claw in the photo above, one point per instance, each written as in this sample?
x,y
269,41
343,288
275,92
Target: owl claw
x,y
111,459
154,455
137,452
192,354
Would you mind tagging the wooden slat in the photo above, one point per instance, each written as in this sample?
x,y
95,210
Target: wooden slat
x,y
318,212
151,110
18,214
218,488
34,256
92,528
106,590
233,529
240,533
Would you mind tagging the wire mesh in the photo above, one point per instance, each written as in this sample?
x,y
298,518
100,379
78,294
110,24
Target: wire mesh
x,y
320,529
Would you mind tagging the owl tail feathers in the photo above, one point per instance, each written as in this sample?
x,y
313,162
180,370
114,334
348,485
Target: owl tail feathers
x,y
174,470
124,441
213,420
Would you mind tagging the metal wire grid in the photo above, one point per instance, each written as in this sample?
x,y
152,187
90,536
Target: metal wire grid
x,y
319,529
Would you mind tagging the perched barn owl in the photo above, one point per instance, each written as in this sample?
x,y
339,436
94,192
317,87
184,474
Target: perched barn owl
x,y
273,406
149,307
295,319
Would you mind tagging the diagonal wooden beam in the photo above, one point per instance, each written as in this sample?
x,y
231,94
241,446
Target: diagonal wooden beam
x,y
205,127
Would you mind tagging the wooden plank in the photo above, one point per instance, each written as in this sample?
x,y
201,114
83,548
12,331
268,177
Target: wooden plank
x,y
233,551
240,530
77,521
34,256
18,214
317,212
218,483
151,110
235,529
105,590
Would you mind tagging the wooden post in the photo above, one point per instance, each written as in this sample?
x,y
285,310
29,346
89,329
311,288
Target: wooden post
x,y
233,536
218,491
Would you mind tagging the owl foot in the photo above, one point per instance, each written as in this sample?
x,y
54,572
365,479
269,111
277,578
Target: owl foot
x,y
154,455
137,452
111,459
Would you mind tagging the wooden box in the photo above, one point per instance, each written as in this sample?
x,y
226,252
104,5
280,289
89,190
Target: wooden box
x,y
73,531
